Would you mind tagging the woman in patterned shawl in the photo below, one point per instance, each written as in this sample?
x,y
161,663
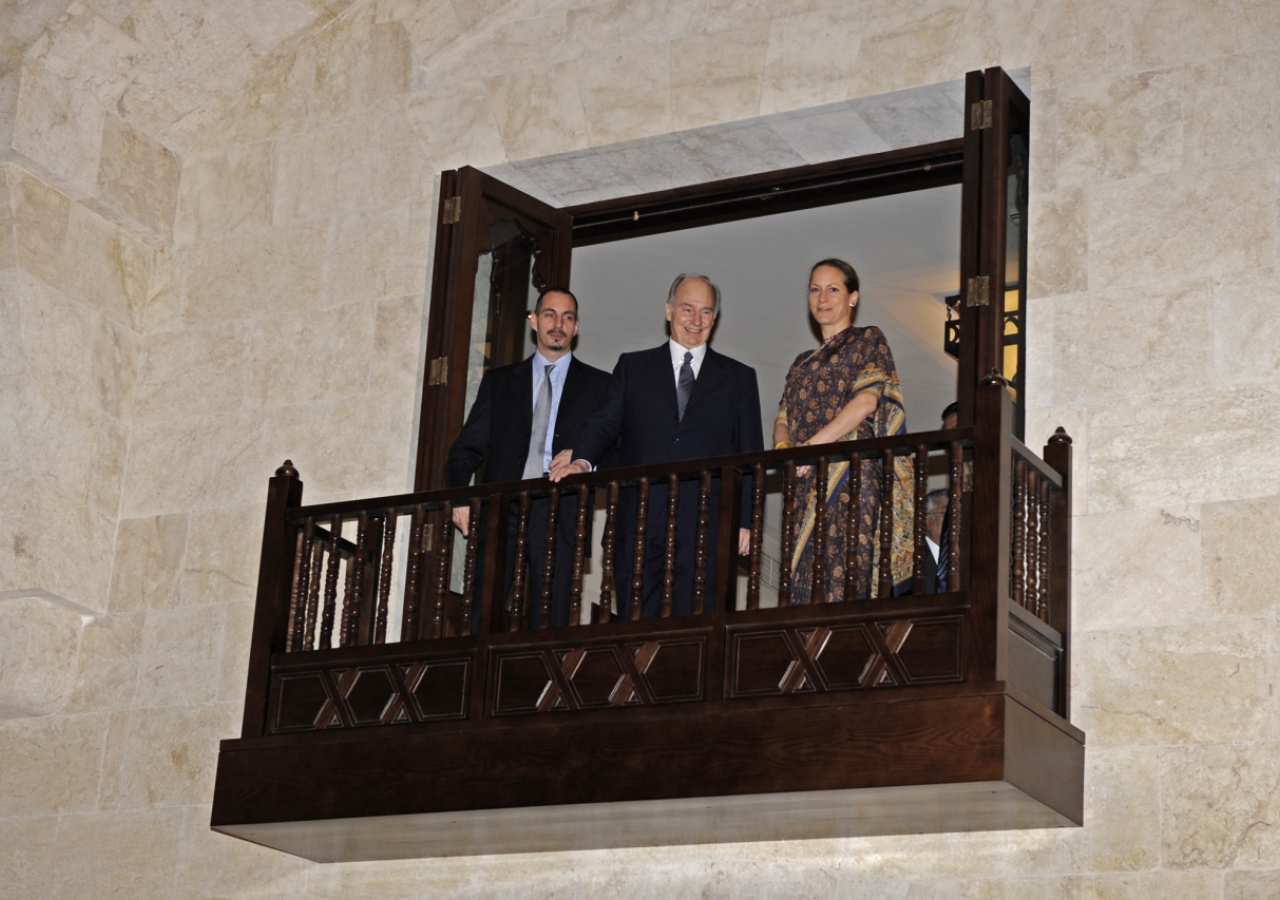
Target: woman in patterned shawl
x,y
846,389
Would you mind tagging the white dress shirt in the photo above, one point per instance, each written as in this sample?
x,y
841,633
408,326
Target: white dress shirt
x,y
677,359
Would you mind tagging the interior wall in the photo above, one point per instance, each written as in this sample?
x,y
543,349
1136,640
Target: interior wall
x,y
284,318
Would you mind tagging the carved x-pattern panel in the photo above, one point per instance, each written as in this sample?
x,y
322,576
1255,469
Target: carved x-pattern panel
x,y
779,660
358,696
641,673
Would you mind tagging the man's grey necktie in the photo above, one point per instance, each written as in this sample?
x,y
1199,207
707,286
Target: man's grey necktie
x,y
684,387
541,418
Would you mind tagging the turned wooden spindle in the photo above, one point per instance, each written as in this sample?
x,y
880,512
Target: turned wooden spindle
x,y
293,630
1018,562
886,525
384,579
757,536
919,523
313,593
331,584
669,546
469,566
298,635
549,558
413,577
1032,565
607,552
700,543
579,553
444,561
788,542
637,567
1042,595
355,584
956,487
516,620
853,528
818,589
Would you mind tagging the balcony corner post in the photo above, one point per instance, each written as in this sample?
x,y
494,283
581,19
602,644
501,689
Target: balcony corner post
x,y
1058,454
271,609
989,547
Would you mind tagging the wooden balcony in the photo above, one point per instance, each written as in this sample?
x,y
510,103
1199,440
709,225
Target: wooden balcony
x,y
858,716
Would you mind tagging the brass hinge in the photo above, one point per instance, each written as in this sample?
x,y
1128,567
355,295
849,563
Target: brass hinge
x,y
452,211
979,291
980,115
438,373
966,476
428,537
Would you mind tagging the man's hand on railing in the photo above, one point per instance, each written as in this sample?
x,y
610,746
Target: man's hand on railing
x,y
462,518
744,541
564,464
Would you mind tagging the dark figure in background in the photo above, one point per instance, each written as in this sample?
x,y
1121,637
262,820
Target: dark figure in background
x,y
522,416
681,400
950,415
935,561
846,389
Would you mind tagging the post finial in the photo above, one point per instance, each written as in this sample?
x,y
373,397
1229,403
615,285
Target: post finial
x,y
995,378
1060,436
287,469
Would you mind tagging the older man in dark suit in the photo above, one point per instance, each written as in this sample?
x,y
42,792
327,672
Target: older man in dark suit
x,y
681,400
522,416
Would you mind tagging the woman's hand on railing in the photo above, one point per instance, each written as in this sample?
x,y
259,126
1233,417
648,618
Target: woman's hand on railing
x,y
564,464
462,518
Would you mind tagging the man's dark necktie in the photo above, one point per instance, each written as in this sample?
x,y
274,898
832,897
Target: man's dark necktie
x,y
541,419
684,387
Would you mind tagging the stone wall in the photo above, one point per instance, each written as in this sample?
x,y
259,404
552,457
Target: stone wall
x,y
183,305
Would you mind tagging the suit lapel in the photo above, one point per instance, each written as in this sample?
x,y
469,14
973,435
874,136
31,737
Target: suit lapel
x,y
573,383
663,374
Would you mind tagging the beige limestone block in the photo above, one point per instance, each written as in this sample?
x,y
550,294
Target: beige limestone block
x,y
223,549
1246,332
997,32
620,22
91,53
58,126
139,176
1251,885
195,371
1196,447
1136,568
215,866
472,137
236,643
40,225
1043,139
301,359
1257,24
172,755
430,24
1122,809
1089,39
1120,127
39,647
275,24
196,463
183,38
989,889
379,254
131,855
162,306
8,222
1219,805
356,446
180,656
105,265
113,756
1058,243
1038,326
627,93
50,764
30,844
905,46
718,77
471,13
224,189
257,270
539,111
1201,885
275,105
1173,685
1141,338
338,169
811,59
355,70
505,47
398,331
1240,561
1179,224
55,333
108,668
1165,34
12,362
149,562
1232,113
113,368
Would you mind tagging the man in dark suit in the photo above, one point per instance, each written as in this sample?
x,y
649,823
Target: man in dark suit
x,y
522,416
679,401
